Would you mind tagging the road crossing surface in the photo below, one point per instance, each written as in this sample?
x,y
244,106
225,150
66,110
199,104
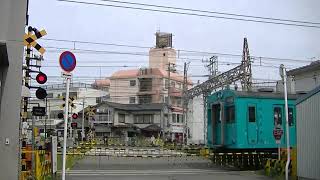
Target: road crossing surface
x,y
150,164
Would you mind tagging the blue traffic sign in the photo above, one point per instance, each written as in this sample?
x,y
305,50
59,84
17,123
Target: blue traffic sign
x,y
67,61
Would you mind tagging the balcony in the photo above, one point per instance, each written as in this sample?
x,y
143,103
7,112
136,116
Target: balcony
x,y
145,86
102,119
174,92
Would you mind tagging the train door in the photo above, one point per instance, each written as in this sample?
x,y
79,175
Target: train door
x,y
252,127
279,118
215,116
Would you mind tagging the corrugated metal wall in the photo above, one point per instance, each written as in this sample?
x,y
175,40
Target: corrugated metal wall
x,y
308,137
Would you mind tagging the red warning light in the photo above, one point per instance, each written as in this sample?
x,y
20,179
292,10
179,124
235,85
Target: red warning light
x,y
41,78
74,116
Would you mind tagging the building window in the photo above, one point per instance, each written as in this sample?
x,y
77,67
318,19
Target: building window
x,y
122,118
179,118
98,100
133,82
173,84
230,116
132,100
143,119
252,113
145,84
166,84
146,99
290,116
147,119
179,102
277,116
179,85
166,100
174,118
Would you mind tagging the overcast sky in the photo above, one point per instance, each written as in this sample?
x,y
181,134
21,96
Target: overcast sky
x,y
70,21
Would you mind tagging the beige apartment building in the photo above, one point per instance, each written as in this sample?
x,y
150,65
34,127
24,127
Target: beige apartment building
x,y
154,84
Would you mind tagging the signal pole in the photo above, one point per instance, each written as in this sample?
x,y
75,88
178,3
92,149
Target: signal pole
x,y
82,124
283,74
66,115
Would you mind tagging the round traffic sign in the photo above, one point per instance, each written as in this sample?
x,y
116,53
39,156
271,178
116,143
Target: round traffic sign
x,y
67,61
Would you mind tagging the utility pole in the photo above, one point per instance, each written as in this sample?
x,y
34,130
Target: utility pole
x,y
171,67
185,103
212,66
246,80
169,100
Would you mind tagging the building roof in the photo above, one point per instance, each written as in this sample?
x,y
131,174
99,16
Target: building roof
x,y
130,73
311,67
134,73
264,95
152,128
308,95
134,107
101,82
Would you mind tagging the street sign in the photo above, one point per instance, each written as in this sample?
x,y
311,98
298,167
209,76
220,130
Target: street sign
x,y
38,111
67,61
277,134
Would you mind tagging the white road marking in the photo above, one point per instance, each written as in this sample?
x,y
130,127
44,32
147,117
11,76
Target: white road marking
x,y
144,172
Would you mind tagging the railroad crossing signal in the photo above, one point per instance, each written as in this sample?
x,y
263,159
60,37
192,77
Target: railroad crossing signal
x,y
74,116
91,111
71,99
31,40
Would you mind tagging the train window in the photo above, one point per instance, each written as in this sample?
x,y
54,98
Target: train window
x,y
252,113
290,116
230,116
277,116
216,113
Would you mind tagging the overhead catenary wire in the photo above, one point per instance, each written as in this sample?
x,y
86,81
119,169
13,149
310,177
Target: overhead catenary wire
x,y
78,50
212,12
192,14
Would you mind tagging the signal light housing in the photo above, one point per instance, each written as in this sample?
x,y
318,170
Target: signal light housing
x,y
41,78
41,93
60,115
74,124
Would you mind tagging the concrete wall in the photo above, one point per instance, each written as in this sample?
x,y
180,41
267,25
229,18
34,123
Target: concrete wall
x,y
160,57
301,83
121,91
12,23
196,120
307,81
308,144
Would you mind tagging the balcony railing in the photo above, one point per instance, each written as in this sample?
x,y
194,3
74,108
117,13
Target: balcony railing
x,y
102,119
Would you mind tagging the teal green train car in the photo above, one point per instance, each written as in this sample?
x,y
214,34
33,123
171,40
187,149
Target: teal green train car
x,y
239,120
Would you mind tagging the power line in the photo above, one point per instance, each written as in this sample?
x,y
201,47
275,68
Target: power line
x,y
212,12
191,14
89,51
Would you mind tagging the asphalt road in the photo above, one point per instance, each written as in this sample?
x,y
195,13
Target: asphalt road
x,y
161,168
